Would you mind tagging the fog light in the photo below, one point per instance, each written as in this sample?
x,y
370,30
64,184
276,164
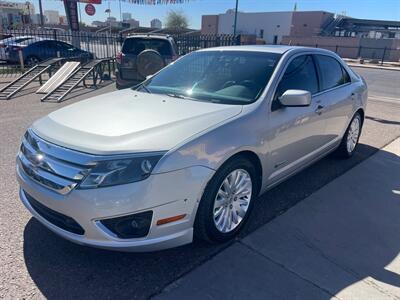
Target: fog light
x,y
128,227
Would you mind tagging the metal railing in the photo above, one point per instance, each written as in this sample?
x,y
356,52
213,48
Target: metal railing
x,y
14,59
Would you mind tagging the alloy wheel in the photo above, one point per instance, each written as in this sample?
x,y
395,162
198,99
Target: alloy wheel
x,y
232,200
353,134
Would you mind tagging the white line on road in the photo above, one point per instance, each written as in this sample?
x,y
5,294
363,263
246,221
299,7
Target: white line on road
x,y
384,99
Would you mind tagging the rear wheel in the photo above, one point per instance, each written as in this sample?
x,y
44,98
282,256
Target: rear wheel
x,y
350,139
227,201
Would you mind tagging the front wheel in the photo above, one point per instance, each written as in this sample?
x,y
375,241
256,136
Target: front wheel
x,y
227,201
350,139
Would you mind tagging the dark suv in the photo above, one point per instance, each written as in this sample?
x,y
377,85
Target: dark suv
x,y
143,55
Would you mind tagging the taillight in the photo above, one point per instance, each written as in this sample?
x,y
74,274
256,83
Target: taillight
x,y
118,58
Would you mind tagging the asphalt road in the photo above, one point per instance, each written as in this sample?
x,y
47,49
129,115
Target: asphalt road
x,y
35,263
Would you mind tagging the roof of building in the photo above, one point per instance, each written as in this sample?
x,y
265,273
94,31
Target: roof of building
x,y
369,22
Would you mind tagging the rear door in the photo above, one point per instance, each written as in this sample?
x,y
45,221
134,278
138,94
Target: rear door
x,y
337,94
132,47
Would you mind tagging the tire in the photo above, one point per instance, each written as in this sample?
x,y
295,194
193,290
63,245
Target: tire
x,y
149,62
205,226
32,60
349,141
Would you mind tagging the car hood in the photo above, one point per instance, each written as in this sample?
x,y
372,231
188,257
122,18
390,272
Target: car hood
x,y
128,121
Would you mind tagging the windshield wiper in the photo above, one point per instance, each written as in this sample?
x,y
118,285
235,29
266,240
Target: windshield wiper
x,y
201,99
141,85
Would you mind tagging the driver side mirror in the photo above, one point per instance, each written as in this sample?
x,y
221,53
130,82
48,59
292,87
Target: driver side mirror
x,y
295,98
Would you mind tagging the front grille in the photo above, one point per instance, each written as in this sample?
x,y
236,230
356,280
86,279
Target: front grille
x,y
52,166
54,217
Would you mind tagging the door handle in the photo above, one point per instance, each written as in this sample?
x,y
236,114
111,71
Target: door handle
x,y
319,109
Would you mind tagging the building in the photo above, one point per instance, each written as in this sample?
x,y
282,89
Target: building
x,y
63,20
156,23
15,14
126,16
52,17
131,23
35,19
268,26
363,28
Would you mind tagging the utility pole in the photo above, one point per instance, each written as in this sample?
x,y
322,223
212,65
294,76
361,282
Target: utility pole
x,y
236,13
41,13
120,12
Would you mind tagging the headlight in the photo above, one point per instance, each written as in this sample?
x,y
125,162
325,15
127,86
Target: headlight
x,y
120,171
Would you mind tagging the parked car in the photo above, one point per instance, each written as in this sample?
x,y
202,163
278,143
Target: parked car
x,y
188,152
15,40
38,49
143,55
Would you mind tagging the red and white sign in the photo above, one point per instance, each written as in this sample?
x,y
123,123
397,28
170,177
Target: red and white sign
x,y
90,1
90,10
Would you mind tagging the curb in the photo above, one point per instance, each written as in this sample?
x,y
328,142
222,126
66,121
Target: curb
x,y
373,67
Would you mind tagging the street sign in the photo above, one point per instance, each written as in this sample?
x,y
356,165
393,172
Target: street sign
x,y
71,10
90,10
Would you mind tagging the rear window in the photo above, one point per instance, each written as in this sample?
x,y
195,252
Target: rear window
x,y
137,45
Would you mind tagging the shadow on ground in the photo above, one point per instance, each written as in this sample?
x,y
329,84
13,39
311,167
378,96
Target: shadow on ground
x,y
58,266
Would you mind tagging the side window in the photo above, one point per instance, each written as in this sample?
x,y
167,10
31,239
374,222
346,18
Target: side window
x,y
64,46
299,75
346,76
332,73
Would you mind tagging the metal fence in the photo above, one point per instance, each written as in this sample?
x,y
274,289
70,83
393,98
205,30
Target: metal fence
x,y
377,55
14,59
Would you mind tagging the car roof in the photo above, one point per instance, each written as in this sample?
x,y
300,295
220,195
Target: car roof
x,y
279,49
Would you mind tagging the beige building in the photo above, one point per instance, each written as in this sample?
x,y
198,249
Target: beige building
x,y
15,14
267,26
52,16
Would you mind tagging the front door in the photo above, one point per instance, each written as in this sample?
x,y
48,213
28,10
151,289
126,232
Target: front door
x,y
296,134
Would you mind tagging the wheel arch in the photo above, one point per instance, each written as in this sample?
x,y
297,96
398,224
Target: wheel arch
x,y
362,113
254,159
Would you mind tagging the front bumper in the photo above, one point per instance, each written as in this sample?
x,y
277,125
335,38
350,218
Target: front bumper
x,y
167,194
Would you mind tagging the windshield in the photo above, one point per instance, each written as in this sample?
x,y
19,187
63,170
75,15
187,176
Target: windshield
x,y
234,77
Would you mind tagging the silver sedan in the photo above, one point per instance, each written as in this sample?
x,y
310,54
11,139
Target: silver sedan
x,y
186,153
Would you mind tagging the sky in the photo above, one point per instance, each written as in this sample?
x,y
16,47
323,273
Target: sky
x,y
367,9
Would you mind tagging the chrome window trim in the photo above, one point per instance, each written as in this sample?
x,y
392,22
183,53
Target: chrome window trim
x,y
332,89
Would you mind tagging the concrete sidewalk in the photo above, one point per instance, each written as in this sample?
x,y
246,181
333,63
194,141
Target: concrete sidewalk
x,y
342,242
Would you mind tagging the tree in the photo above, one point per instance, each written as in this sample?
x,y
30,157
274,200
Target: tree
x,y
176,20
